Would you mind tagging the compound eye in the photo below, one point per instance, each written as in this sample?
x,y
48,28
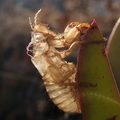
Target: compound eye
x,y
37,36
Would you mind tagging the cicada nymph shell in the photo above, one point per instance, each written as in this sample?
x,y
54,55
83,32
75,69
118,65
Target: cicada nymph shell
x,y
55,71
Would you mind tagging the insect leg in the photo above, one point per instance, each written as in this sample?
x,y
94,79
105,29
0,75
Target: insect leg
x,y
87,85
59,76
73,46
76,44
75,84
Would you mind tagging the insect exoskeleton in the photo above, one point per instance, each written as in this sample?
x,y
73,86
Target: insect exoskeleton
x,y
55,71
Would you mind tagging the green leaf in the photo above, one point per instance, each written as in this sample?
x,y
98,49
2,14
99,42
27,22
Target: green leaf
x,y
113,51
98,93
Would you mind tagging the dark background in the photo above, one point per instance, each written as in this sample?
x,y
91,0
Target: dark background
x,y
22,93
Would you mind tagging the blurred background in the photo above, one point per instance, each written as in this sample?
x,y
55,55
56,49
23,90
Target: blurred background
x,y
22,93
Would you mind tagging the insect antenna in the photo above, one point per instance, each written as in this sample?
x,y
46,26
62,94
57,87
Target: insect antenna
x,y
36,17
31,24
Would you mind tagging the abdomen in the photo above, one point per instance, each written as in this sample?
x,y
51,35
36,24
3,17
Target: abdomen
x,y
65,97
